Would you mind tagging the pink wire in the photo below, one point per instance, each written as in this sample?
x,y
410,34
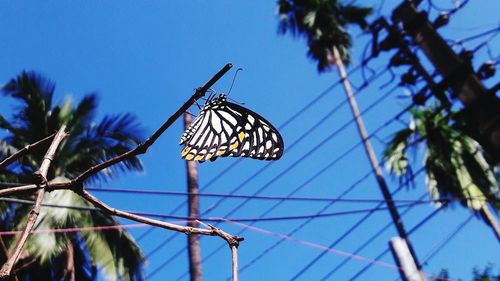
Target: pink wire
x,y
77,229
321,247
253,228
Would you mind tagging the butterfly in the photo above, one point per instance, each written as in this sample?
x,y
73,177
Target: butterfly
x,y
224,128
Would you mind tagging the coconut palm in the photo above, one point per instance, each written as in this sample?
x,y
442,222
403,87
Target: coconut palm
x,y
456,168
76,255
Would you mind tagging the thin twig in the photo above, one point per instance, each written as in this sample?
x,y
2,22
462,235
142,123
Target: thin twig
x,y
7,161
212,231
41,175
233,242
234,258
5,252
18,189
143,147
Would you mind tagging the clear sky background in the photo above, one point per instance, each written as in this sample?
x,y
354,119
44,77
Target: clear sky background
x,y
147,57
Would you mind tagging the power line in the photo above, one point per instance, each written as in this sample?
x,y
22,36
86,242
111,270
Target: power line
x,y
387,250
368,215
439,246
218,219
479,35
286,237
295,230
305,134
286,123
368,242
307,154
257,197
327,166
339,239
348,255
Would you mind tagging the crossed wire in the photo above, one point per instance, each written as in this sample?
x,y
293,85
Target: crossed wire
x,y
336,160
282,126
306,155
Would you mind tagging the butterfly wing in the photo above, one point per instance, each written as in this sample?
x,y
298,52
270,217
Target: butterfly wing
x,y
227,129
260,140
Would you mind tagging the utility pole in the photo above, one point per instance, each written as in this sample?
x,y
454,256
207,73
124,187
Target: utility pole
x,y
194,248
481,113
482,106
377,171
404,259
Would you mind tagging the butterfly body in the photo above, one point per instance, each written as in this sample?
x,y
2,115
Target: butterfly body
x,y
227,129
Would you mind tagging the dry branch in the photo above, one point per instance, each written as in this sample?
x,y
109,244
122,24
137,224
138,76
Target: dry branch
x,y
212,231
233,241
18,189
33,215
77,186
7,161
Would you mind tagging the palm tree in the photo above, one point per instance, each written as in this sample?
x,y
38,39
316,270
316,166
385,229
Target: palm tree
x,y
323,23
456,168
76,255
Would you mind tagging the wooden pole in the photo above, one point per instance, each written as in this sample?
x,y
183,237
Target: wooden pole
x,y
405,261
194,249
377,171
482,106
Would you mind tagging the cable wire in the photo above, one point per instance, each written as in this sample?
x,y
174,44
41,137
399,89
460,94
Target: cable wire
x,y
303,136
266,198
285,124
369,241
306,155
387,250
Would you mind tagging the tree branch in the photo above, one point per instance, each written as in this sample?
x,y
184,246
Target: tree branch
x,y
212,231
7,161
233,241
18,189
77,186
143,147
33,215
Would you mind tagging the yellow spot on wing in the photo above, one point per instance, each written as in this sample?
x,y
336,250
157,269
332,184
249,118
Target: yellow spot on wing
x,y
185,151
220,152
189,157
233,146
241,136
198,157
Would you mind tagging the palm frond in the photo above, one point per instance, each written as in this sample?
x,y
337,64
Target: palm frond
x,y
355,14
88,144
113,136
115,250
454,162
84,114
323,23
35,93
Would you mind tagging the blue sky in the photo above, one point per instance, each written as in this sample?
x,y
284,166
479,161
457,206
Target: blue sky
x,y
147,57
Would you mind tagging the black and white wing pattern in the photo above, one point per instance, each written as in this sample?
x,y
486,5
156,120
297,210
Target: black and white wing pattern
x,y
227,129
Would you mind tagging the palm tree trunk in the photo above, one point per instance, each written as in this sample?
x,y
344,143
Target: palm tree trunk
x,y
490,219
371,154
69,271
193,213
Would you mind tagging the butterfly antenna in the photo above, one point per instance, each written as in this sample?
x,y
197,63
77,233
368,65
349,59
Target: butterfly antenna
x,y
234,78
233,100
190,113
197,104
